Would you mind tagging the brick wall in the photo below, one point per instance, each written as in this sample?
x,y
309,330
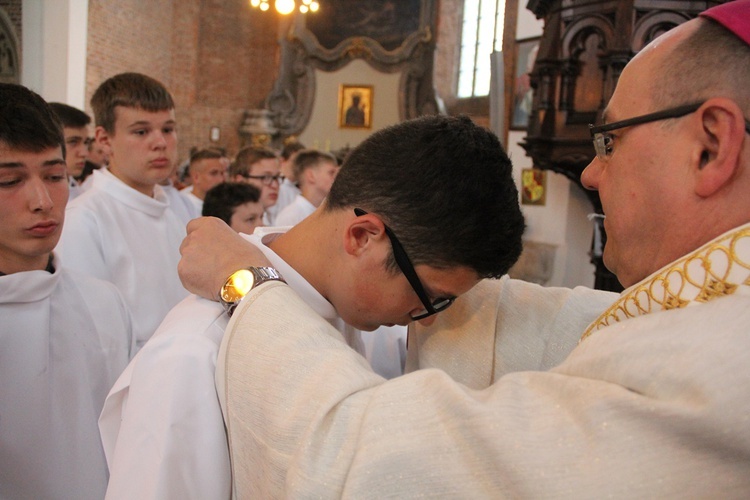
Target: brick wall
x,y
216,56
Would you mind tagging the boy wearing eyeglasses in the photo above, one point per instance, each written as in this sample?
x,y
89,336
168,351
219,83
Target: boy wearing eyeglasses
x,y
123,229
260,167
381,250
77,141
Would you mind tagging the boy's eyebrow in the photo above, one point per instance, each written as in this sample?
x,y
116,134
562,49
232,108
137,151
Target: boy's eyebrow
x,y
141,123
17,164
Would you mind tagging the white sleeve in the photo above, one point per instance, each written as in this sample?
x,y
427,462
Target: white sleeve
x,y
162,426
621,417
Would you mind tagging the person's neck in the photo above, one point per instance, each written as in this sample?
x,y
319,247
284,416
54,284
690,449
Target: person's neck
x,y
312,195
36,263
310,248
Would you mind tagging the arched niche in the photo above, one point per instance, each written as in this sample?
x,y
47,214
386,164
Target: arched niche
x,y
403,42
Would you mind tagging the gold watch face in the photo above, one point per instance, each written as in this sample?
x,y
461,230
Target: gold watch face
x,y
237,286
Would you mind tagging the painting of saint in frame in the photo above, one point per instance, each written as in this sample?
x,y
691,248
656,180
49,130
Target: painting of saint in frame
x,y
355,106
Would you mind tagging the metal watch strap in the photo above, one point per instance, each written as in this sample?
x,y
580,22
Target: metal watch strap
x,y
262,275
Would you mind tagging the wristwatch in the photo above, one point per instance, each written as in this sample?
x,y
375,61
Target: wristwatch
x,y
241,282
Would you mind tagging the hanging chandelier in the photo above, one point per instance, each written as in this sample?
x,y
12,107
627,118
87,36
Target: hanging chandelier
x,y
287,6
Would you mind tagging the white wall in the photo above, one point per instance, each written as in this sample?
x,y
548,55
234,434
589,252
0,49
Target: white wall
x,y
54,49
323,132
562,220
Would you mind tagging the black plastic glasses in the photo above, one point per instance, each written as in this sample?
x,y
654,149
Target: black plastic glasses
x,y
266,179
404,263
603,141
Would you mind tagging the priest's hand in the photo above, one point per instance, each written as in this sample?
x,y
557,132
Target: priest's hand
x,y
211,252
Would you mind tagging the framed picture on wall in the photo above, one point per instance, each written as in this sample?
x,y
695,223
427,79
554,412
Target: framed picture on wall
x,y
533,186
523,94
355,106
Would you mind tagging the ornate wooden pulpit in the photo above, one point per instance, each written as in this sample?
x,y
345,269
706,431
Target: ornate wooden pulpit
x,y
584,47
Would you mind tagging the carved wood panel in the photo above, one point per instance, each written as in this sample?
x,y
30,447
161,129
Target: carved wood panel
x,y
584,48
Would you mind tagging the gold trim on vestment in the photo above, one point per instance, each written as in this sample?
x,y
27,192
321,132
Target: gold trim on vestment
x,y
714,270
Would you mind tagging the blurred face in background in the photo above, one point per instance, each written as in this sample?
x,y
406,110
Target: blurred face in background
x,y
247,217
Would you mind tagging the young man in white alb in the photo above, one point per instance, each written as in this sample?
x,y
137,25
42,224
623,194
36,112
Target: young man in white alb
x,y
315,172
76,129
64,336
123,229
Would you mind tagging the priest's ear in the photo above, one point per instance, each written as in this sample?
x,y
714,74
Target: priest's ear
x,y
721,135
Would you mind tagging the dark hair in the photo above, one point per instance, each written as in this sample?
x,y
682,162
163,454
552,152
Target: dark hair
x,y
131,90
205,154
69,116
290,148
716,61
444,186
309,158
27,123
247,157
223,199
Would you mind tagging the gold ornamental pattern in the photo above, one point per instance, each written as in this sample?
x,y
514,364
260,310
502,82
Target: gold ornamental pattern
x,y
717,269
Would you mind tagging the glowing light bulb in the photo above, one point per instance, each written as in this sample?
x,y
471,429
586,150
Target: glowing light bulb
x,y
255,3
303,9
264,7
285,6
314,6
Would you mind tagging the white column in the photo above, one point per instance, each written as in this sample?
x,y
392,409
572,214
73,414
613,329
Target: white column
x,y
54,49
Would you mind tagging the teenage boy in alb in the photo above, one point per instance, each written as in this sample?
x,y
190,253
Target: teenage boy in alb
x,y
288,189
259,166
208,168
123,230
162,425
315,172
64,336
76,129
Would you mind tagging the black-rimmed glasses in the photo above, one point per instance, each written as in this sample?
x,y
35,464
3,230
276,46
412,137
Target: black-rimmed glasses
x,y
603,141
266,179
407,268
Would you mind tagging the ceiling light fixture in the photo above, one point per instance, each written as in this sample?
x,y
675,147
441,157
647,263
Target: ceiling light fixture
x,y
286,7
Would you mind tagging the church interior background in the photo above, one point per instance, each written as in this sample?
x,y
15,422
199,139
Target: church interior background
x,y
241,75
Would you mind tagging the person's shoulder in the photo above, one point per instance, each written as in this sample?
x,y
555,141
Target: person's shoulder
x,y
90,286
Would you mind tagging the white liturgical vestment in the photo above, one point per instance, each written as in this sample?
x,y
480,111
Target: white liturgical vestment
x,y
120,235
64,339
295,212
653,404
162,428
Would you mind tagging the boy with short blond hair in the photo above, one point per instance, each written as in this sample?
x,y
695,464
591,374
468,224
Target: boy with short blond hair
x,y
123,229
315,172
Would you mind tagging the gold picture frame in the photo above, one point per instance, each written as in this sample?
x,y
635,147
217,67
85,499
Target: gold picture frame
x,y
533,186
355,106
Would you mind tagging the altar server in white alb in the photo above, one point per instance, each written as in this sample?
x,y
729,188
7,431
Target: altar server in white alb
x,y
162,426
64,336
315,172
208,168
123,230
653,403
288,189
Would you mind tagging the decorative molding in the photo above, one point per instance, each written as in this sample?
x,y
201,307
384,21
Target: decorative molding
x,y
10,71
291,100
